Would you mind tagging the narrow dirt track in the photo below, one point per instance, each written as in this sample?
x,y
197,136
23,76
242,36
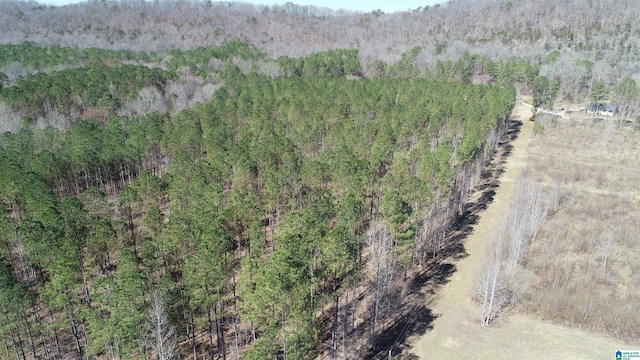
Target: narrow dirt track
x,y
457,332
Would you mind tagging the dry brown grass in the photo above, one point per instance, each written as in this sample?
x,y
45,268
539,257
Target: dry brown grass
x,y
592,156
586,256
457,331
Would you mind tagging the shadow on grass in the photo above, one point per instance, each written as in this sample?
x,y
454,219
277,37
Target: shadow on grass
x,y
415,317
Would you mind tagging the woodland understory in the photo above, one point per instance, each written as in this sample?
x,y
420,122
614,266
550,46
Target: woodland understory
x,y
250,182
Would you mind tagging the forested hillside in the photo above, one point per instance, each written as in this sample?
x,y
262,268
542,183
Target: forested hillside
x,y
244,225
575,43
212,180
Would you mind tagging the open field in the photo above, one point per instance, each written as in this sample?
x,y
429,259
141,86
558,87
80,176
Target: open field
x,y
586,255
457,331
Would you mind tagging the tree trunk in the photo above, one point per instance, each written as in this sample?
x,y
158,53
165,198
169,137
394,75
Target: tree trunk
x,y
45,347
334,326
236,336
13,345
75,178
219,334
27,327
86,337
98,174
253,331
76,336
85,289
284,338
210,330
55,336
122,176
193,336
21,347
235,320
345,323
131,229
43,337
374,315
6,348
312,271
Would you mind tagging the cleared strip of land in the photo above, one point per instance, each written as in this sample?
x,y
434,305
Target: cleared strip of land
x,y
457,332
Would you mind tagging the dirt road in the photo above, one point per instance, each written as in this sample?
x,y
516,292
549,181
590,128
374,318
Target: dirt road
x,y
457,332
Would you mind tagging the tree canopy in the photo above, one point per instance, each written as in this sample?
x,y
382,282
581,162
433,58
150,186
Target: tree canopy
x,y
249,209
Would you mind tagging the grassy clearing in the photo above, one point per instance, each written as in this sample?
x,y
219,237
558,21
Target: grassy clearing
x,y
529,330
586,256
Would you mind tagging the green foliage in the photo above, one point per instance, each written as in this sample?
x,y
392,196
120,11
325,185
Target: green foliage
x,y
149,189
206,270
627,88
63,288
626,93
34,56
327,63
183,135
198,59
286,172
394,207
115,324
3,80
505,73
552,57
377,69
75,219
37,57
517,70
599,92
538,129
509,5
96,85
13,302
87,149
544,92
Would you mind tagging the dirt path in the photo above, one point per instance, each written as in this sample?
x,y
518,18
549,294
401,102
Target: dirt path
x,y
457,333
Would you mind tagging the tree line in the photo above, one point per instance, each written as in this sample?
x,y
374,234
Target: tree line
x,y
575,43
232,225
73,91
106,84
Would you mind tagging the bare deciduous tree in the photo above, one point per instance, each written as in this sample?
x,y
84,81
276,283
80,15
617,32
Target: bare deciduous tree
x,y
500,283
492,291
160,335
10,119
381,271
606,239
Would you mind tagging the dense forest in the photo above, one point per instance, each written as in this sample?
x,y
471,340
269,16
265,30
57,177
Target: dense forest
x,y
240,220
213,180
575,43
